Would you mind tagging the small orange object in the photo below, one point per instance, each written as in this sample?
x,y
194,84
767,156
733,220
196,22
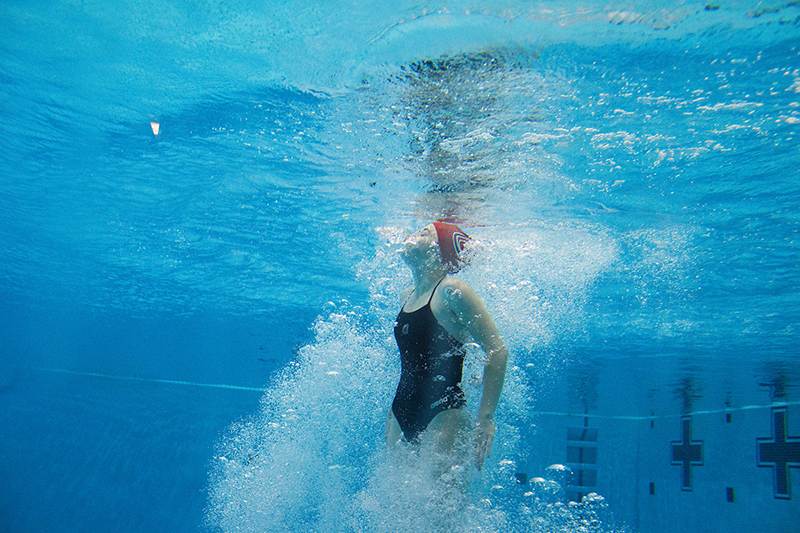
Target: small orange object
x,y
155,126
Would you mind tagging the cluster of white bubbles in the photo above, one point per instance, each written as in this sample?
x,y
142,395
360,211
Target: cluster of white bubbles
x,y
313,457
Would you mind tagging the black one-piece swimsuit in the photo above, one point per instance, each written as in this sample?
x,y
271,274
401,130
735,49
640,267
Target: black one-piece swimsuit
x,y
431,361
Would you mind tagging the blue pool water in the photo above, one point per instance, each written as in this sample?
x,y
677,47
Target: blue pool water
x,y
196,324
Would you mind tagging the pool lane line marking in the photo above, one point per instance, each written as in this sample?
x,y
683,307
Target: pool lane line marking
x,y
657,417
548,413
154,380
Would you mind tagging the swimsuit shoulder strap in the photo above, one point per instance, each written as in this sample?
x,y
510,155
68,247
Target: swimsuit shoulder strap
x,y
434,290
403,307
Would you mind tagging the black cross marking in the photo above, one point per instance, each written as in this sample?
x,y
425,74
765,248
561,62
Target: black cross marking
x,y
687,453
780,452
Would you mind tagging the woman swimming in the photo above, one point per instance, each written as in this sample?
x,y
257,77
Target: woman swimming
x,y
440,313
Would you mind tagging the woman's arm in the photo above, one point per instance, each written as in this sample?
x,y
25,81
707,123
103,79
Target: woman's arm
x,y
473,315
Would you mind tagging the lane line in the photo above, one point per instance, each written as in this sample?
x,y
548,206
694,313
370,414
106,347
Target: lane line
x,y
545,413
677,415
154,380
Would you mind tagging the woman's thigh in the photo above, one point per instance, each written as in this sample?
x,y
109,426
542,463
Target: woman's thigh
x,y
448,429
393,431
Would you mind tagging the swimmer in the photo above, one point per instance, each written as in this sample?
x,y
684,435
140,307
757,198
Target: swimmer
x,y
439,315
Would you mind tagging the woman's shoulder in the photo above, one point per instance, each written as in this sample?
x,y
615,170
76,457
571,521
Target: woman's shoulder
x,y
456,291
452,282
460,299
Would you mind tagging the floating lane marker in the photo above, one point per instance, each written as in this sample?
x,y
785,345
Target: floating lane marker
x,y
154,380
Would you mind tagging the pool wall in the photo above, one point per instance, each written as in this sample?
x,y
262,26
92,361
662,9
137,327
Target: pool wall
x,y
676,451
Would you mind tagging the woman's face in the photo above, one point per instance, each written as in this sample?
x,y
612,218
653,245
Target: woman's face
x,y
421,245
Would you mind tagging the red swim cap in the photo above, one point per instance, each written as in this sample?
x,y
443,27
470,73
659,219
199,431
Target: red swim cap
x,y
451,243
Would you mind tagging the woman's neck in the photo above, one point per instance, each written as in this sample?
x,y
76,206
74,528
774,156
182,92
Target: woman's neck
x,y
426,279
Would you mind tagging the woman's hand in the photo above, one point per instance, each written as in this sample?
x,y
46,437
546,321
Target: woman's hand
x,y
484,435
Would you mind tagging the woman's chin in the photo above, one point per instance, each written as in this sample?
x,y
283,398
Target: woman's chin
x,y
408,257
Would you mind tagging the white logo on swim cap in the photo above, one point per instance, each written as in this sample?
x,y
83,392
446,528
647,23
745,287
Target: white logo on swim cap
x,y
459,241
405,329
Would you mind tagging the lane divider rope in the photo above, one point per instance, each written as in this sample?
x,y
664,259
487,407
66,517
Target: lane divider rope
x,y
545,413
154,380
677,415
